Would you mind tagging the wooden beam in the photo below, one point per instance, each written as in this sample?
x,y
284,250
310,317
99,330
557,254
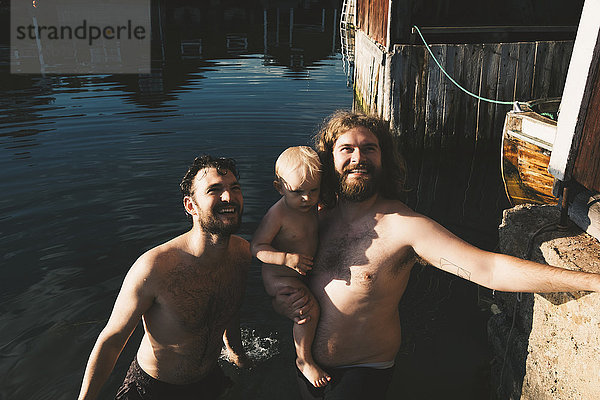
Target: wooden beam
x,y
494,29
577,92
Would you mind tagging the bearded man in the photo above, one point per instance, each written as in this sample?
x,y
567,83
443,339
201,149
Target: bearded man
x,y
188,293
368,242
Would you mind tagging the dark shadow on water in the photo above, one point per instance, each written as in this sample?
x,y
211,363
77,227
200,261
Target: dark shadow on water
x,y
445,351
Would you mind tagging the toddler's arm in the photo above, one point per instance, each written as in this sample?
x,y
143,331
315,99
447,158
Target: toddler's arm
x,y
262,249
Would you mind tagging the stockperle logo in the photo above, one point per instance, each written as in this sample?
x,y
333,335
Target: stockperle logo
x,y
80,36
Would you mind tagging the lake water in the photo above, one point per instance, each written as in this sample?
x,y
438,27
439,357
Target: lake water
x,y
89,171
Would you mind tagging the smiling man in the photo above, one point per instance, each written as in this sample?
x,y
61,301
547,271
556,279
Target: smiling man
x,y
368,242
188,293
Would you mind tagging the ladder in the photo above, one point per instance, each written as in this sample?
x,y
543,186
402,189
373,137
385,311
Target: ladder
x,y
347,28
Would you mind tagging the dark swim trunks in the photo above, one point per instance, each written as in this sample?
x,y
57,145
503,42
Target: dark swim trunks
x,y
349,383
138,385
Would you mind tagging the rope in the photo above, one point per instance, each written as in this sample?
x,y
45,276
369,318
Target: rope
x,y
453,81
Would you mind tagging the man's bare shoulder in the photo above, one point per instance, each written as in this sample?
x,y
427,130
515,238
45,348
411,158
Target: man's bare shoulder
x,y
389,206
164,256
396,215
148,272
409,226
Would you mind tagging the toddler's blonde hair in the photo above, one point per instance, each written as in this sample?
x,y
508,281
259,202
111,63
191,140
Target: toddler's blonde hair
x,y
300,158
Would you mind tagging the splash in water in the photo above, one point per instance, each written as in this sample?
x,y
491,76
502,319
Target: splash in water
x,y
258,348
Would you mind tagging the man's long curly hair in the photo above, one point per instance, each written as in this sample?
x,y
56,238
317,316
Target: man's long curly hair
x,y
393,167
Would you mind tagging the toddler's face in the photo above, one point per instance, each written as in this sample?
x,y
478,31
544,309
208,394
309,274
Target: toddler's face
x,y
299,194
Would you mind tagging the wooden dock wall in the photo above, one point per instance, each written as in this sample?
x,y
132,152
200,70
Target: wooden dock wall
x,y
369,73
427,110
373,19
587,163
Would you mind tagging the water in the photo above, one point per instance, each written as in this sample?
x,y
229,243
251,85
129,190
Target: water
x,y
90,180
89,171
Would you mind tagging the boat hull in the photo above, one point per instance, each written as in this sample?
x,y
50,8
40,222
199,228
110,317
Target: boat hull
x,y
526,148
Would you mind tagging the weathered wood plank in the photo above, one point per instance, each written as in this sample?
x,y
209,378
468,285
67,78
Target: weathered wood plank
x,y
577,91
488,89
404,91
398,89
418,62
426,108
455,118
368,74
427,181
507,73
372,19
435,101
525,64
451,95
542,72
443,82
587,163
559,67
470,80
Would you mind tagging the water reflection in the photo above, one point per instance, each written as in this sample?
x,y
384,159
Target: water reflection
x,y
296,35
90,167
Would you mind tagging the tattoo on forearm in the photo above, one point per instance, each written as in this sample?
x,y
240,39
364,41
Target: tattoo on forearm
x,y
455,269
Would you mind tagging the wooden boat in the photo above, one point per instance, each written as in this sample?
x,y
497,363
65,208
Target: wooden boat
x,y
527,140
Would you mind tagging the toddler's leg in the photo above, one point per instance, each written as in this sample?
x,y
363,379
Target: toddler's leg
x,y
303,339
273,280
304,334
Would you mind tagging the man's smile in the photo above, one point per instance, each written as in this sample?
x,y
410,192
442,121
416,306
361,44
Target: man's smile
x,y
227,209
359,169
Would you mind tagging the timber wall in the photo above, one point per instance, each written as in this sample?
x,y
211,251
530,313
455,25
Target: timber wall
x,y
427,110
372,18
587,162
369,73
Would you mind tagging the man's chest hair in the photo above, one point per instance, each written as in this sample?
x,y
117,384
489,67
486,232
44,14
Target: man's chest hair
x,y
203,297
360,251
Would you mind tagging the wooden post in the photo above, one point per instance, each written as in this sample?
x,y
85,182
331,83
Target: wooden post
x,y
335,29
265,30
388,29
277,29
291,25
577,92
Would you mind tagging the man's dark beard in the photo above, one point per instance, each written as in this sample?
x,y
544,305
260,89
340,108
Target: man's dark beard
x,y
210,223
361,188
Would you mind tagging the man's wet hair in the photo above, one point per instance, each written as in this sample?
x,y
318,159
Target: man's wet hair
x,y
393,166
221,164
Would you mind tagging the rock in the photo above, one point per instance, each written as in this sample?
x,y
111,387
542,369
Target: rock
x,y
553,339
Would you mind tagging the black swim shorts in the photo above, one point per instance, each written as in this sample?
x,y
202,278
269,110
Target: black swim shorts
x,y
349,383
138,385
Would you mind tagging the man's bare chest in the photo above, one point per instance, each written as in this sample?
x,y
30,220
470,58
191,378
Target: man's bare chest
x,y
362,258
202,298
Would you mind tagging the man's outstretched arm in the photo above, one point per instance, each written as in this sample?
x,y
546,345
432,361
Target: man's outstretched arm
x,y
133,300
444,250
